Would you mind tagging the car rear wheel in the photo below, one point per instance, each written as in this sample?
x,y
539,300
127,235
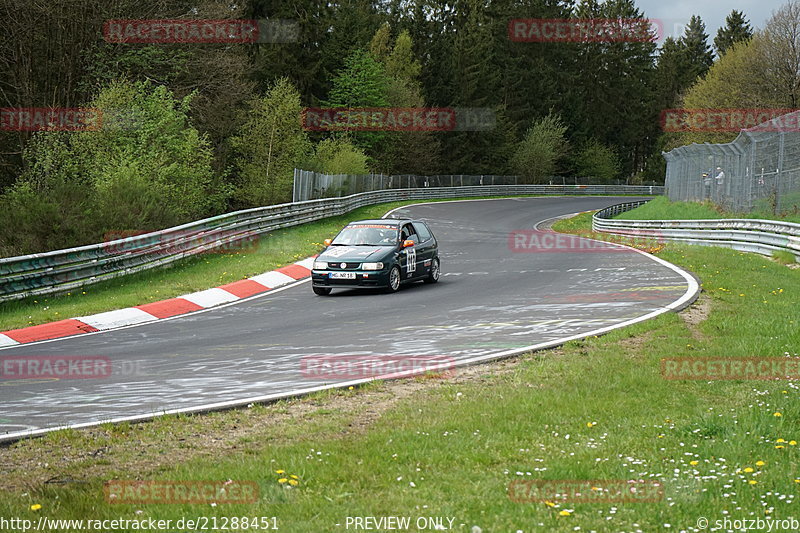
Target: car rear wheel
x,y
321,291
433,276
394,279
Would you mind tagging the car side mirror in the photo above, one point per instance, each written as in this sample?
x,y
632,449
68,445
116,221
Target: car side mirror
x,y
408,243
327,242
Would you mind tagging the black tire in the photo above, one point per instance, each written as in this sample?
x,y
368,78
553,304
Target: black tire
x,y
394,279
321,291
433,276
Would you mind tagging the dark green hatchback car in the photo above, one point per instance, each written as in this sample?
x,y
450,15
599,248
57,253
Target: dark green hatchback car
x,y
377,254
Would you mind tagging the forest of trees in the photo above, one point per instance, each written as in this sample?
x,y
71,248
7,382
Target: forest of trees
x,y
206,128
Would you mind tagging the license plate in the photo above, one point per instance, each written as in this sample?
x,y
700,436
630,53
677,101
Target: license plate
x,y
343,275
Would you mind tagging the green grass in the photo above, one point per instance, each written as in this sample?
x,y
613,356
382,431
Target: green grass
x,y
784,257
660,208
462,442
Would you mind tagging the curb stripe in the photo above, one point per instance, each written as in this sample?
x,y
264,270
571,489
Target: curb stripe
x,y
53,330
244,288
210,297
5,340
169,308
118,318
272,279
140,314
295,271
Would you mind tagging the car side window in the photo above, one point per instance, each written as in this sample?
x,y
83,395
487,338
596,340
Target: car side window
x,y
408,232
422,231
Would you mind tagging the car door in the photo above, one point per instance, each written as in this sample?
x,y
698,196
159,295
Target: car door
x,y
408,256
426,247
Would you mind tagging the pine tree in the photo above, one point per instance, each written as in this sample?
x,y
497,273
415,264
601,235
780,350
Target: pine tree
x,y
699,56
737,28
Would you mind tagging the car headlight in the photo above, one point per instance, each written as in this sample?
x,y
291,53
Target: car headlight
x,y
371,266
320,265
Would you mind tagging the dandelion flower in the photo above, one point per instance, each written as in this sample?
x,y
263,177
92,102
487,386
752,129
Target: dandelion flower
x,y
792,443
760,463
293,482
753,482
693,463
748,470
564,513
36,507
777,414
780,440
282,480
280,471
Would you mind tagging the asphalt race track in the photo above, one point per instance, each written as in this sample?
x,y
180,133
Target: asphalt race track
x,y
490,300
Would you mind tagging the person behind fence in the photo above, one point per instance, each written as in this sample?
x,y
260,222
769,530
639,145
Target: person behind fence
x,y
720,177
707,184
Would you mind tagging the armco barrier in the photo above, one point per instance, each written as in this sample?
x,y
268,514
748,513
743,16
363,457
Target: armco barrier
x,y
747,235
63,270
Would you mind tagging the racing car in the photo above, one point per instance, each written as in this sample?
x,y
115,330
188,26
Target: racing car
x,y
377,254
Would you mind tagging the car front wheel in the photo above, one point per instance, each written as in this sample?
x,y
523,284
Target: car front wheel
x,y
394,279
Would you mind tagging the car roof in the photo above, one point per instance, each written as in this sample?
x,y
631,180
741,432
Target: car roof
x,y
381,222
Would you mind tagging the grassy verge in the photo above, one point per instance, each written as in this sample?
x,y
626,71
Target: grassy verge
x,y
661,208
598,410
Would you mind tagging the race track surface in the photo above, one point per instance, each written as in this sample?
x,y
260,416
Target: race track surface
x,y
491,299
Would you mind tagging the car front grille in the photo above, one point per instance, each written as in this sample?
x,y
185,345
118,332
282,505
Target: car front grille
x,y
338,266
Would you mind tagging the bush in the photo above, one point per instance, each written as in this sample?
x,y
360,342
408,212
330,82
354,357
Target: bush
x,y
339,156
538,154
598,162
146,168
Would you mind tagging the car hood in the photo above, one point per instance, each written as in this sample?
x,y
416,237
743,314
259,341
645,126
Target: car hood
x,y
354,253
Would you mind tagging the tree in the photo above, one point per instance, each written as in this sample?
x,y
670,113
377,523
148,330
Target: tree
x,y
268,147
727,85
407,152
363,82
538,154
612,87
698,54
737,29
779,55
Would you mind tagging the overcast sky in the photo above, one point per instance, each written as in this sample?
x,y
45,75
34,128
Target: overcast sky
x,y
675,13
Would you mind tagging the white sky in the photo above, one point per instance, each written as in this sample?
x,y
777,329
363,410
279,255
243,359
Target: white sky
x,y
676,13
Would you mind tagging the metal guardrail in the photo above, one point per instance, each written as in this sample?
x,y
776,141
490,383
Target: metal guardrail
x,y
747,235
64,270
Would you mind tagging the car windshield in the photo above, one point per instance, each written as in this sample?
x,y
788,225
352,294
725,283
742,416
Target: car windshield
x,y
367,236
